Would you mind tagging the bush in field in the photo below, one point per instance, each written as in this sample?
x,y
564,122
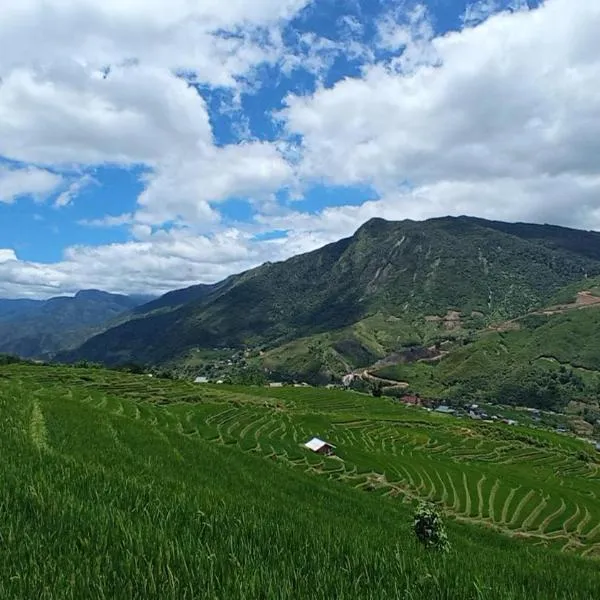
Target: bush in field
x,y
429,528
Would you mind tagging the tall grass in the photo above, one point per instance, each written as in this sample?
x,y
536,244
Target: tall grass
x,y
128,498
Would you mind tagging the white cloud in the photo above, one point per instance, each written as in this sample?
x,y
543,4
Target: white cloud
x,y
107,93
110,82
27,181
74,189
545,199
175,35
316,54
7,255
500,120
58,107
408,37
161,262
109,221
68,114
350,26
479,11
184,189
514,99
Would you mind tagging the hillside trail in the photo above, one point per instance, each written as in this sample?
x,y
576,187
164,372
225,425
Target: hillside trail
x,y
584,300
367,375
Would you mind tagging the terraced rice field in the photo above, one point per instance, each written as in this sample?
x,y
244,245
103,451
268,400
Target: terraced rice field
x,y
519,482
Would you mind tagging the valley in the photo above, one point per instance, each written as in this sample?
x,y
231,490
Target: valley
x,y
299,300
439,372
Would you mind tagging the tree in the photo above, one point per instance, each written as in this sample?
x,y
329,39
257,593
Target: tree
x,y
9,359
429,528
377,389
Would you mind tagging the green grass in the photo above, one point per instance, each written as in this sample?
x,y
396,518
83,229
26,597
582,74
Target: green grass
x,y
122,486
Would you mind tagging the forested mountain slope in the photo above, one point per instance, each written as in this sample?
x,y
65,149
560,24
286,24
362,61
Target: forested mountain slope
x,y
406,271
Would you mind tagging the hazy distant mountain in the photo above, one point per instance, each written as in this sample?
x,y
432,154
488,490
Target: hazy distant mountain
x,y
40,328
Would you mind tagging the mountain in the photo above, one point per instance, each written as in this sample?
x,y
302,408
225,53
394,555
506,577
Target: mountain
x,y
390,285
40,328
11,310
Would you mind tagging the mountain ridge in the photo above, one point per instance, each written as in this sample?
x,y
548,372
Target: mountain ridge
x,y
403,270
41,328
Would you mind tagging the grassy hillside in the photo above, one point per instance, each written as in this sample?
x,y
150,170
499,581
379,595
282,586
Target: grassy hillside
x,y
125,486
557,352
405,271
328,356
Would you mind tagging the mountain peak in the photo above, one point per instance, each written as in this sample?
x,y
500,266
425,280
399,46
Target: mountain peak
x,y
405,271
92,293
375,225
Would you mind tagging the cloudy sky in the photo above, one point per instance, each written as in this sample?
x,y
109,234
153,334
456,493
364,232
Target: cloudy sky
x,y
147,145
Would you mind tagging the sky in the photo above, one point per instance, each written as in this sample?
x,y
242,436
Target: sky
x,y
148,145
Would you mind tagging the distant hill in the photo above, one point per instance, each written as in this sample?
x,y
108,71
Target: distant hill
x,y
40,328
417,280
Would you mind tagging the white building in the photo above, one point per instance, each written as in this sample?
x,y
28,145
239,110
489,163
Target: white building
x,y
319,446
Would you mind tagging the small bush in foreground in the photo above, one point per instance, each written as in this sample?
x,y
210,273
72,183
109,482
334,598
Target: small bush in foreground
x,y
429,528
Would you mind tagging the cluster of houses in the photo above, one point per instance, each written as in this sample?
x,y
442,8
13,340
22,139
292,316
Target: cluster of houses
x,y
472,411
272,384
475,412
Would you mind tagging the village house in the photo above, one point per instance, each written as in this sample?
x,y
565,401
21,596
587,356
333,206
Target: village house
x,y
201,380
320,447
446,410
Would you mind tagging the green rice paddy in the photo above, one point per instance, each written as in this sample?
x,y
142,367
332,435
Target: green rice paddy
x,y
122,486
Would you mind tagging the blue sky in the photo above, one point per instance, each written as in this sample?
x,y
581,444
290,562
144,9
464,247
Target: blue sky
x,y
146,146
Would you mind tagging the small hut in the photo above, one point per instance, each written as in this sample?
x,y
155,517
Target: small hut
x,y
320,447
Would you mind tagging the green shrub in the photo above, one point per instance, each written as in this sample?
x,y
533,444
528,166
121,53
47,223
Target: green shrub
x,y
429,527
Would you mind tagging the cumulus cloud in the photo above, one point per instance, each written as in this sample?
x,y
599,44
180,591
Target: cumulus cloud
x,y
28,181
118,83
162,261
183,189
177,35
512,100
7,255
67,114
500,119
